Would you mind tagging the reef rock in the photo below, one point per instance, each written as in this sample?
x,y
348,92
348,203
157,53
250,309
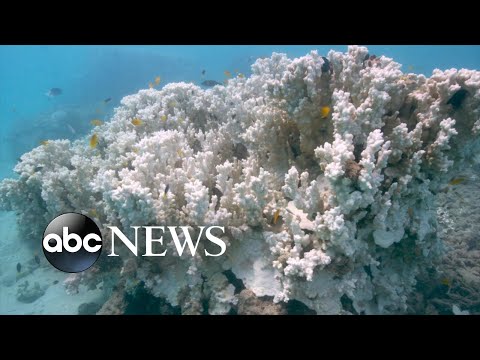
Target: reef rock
x,y
249,304
28,294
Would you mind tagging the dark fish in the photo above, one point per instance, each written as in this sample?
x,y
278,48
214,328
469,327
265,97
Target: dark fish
x,y
19,267
457,99
210,83
167,188
240,151
55,282
234,116
107,100
54,92
38,168
366,57
218,194
37,259
326,65
203,72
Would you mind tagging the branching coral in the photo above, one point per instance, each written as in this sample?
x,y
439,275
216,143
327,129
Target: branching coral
x,y
317,207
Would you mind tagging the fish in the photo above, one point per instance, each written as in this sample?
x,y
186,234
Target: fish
x,y
180,152
19,267
325,111
166,191
457,99
157,80
410,212
446,281
240,151
93,213
137,122
326,65
210,83
55,282
457,181
150,85
410,68
227,73
94,141
107,100
44,142
96,122
37,259
54,92
38,168
203,72
163,117
276,215
241,76
71,129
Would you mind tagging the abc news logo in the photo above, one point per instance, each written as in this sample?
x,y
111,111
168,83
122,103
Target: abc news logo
x,y
73,242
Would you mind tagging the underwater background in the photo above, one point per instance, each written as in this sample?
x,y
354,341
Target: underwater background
x,y
92,81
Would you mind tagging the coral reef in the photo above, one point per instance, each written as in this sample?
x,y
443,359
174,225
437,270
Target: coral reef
x,y
324,171
454,281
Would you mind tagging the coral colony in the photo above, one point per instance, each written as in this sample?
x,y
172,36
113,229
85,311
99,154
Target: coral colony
x,y
323,170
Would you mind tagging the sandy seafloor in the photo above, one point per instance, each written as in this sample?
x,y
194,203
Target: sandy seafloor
x,y
55,300
455,280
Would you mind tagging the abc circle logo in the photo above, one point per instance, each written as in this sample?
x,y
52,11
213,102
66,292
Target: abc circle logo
x,y
72,242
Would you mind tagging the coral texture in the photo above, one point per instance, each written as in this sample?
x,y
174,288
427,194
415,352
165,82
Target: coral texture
x,y
318,205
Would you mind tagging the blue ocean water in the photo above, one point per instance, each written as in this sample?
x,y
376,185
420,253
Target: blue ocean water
x,y
88,75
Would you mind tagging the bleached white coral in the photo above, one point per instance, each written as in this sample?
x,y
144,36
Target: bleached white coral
x,y
317,208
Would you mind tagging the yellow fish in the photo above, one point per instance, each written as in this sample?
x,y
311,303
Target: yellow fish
x,y
325,111
241,76
137,122
276,216
180,152
94,141
150,85
164,118
446,282
44,142
93,213
410,212
227,73
157,80
410,68
96,122
457,181
135,150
